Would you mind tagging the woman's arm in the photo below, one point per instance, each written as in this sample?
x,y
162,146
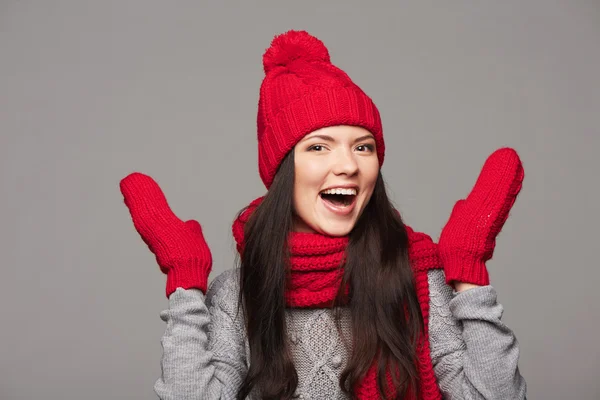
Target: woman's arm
x,y
203,355
474,354
203,345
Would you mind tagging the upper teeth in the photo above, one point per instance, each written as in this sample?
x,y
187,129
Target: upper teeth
x,y
340,191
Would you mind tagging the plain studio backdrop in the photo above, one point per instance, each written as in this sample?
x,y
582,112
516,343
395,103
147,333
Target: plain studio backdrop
x,y
92,91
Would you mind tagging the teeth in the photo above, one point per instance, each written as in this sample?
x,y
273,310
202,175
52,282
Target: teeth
x,y
340,191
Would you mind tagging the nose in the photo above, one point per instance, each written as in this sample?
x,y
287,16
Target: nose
x,y
344,163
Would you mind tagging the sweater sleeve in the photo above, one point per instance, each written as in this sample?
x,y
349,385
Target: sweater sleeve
x,y
203,344
474,354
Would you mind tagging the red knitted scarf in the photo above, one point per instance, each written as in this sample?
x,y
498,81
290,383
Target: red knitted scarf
x,y
316,278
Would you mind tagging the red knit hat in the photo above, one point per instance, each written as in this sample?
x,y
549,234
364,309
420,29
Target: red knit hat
x,y
302,92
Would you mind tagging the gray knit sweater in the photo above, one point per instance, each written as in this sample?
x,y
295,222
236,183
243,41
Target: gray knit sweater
x,y
206,355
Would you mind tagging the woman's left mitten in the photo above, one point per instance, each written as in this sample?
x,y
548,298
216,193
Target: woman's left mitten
x,y
468,239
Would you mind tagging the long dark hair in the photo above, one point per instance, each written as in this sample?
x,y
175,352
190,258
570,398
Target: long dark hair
x,y
385,312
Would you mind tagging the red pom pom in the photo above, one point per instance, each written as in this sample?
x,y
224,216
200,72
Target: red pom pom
x,y
291,46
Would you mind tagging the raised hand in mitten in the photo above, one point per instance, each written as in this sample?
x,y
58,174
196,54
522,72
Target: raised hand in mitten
x,y
179,247
468,239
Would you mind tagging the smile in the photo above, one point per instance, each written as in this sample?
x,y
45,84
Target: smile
x,y
340,201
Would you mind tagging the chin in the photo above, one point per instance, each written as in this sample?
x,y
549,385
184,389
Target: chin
x,y
336,228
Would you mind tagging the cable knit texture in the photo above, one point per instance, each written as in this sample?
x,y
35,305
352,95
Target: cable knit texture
x,y
316,263
206,354
316,272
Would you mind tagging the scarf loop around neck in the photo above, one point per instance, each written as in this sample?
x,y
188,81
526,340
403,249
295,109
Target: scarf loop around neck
x,y
316,267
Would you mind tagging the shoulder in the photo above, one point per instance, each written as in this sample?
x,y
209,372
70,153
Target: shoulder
x,y
445,332
223,291
226,279
440,293
437,281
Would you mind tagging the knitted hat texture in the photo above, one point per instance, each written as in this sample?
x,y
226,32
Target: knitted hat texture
x,y
302,91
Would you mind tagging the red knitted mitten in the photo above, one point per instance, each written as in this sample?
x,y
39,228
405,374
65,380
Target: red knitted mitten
x,y
179,247
469,237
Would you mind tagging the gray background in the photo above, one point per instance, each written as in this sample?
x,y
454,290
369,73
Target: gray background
x,y
90,92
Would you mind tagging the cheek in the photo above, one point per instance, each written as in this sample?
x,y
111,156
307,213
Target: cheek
x,y
306,183
371,172
308,176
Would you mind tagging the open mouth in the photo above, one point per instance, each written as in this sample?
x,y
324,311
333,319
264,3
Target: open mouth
x,y
339,197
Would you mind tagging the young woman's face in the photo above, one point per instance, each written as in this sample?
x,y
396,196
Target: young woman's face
x,y
335,173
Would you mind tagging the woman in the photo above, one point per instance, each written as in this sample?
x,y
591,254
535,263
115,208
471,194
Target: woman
x,y
334,297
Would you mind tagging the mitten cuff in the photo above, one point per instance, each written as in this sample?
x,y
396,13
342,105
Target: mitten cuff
x,y
461,267
194,275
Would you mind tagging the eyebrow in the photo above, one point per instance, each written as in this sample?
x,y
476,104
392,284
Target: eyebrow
x,y
330,139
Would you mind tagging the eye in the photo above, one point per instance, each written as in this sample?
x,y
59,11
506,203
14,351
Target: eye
x,y
365,147
315,147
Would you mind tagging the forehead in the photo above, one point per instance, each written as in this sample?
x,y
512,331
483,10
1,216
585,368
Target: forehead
x,y
339,132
